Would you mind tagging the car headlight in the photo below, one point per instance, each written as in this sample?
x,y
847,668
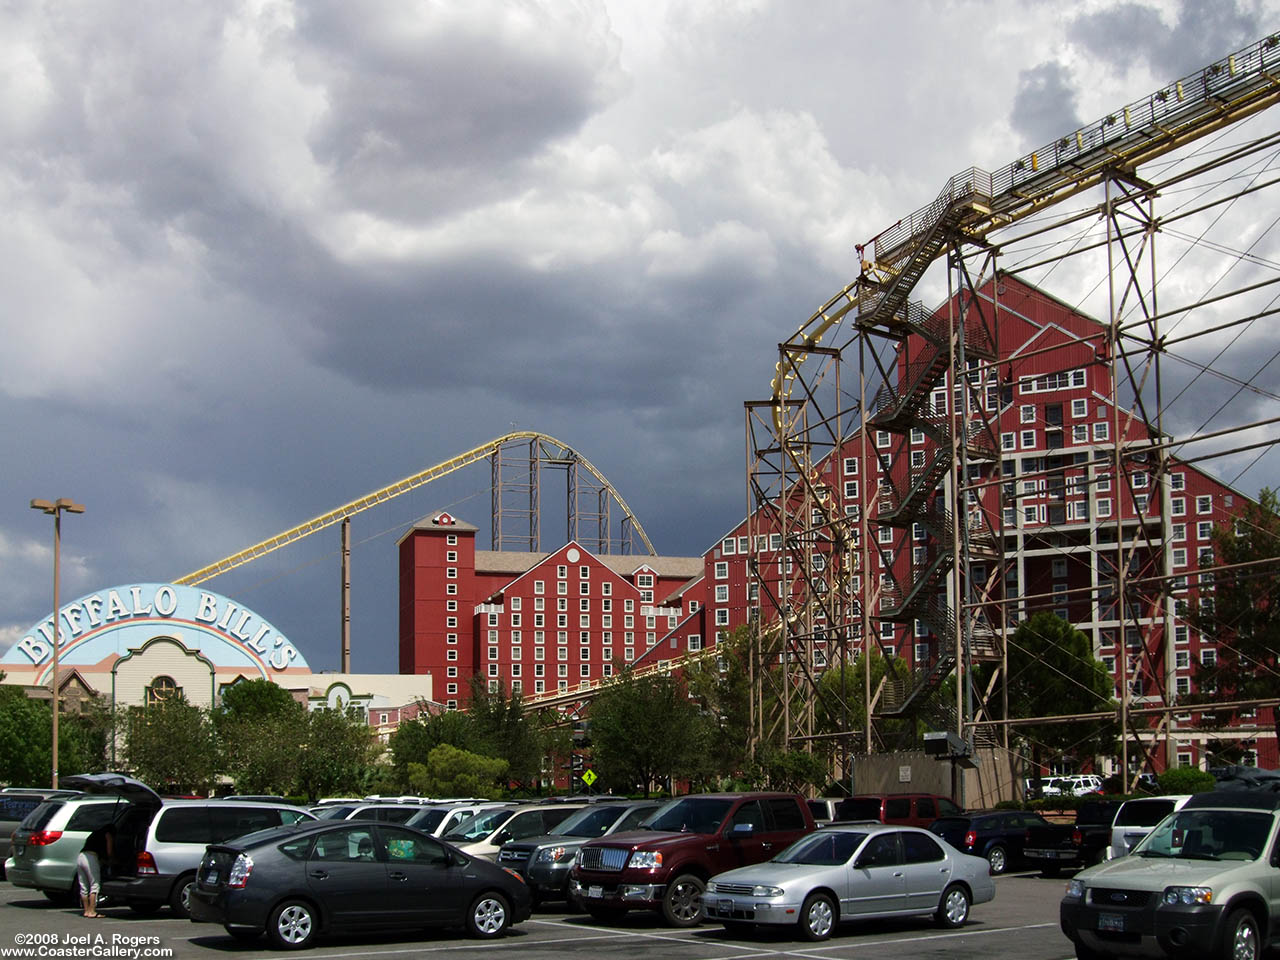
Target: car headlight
x,y
1187,896
762,891
646,859
555,854
711,887
1075,890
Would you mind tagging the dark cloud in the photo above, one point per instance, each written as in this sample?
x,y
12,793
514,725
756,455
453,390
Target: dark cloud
x,y
1045,105
1204,31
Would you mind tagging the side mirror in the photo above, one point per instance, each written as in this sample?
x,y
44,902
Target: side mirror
x,y
742,829
503,837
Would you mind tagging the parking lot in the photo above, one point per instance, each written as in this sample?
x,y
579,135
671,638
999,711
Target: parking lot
x,y
1021,924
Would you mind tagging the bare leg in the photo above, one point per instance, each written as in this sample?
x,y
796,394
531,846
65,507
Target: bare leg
x,y
93,905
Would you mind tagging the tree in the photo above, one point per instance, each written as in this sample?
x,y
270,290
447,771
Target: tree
x,y
414,739
172,746
336,752
1240,607
259,728
503,730
722,688
450,772
645,729
1052,670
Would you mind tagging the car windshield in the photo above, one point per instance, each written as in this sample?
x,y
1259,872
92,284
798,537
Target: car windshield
x,y
1144,813
692,815
479,826
1208,835
826,848
333,812
41,815
427,820
589,822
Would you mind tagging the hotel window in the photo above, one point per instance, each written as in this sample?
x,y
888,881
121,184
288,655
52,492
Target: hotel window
x,y
562,588
628,621
562,686
451,637
1029,514
517,686
629,653
1209,658
1140,503
562,605
1177,506
539,619
451,688
584,588
451,605
1178,531
515,670
1180,557
584,670
451,540
1139,479
451,622
1104,507
1027,413
850,466
1100,430
1103,485
515,619
606,654
561,572
1204,504
921,652
584,621
451,572
539,686
1080,433
514,603
584,603
628,605
539,603
917,435
1182,684
492,619
695,642
562,620
584,573
493,653
562,669
451,589
649,622
539,586
1204,530
917,458
606,590
646,596
722,570
775,542
606,620
1177,481
539,653
584,653
1079,408
644,580
606,605
728,546
743,545
722,593
851,489
1059,568
722,617
451,671
515,653
1008,441
1028,439
451,654
562,653
607,670
162,690
539,636
882,438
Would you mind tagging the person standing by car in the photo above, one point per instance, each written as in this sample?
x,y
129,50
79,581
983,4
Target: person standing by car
x,y
98,849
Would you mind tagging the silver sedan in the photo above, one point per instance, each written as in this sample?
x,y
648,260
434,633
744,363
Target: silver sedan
x,y
851,872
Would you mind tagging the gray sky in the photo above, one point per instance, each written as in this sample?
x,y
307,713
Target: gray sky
x,y
257,263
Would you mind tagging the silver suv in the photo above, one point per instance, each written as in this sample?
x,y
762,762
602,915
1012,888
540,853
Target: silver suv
x,y
1202,883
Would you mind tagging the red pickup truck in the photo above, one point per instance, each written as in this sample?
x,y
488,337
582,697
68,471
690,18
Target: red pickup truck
x,y
666,865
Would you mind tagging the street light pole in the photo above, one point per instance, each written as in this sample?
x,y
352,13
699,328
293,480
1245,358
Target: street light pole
x,y
56,509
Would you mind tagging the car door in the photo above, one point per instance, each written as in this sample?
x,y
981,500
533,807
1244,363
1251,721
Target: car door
x,y
347,877
876,885
925,870
742,836
425,884
786,825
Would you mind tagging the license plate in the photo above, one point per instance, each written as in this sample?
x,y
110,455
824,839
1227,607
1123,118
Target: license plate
x,y
725,908
1111,922
211,877
595,893
17,851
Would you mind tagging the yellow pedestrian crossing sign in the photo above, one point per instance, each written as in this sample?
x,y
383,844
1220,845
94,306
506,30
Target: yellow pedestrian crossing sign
x,y
589,776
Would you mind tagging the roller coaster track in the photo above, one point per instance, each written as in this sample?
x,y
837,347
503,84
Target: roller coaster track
x,y
562,452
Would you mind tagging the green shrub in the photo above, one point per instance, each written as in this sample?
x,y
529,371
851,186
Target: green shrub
x,y
1186,780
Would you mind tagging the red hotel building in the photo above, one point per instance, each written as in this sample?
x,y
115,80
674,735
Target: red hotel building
x,y
550,622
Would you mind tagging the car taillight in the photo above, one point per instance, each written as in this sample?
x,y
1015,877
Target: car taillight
x,y
240,871
42,838
147,864
1077,837
971,838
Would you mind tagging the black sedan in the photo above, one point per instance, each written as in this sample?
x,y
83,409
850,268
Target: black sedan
x,y
998,835
296,882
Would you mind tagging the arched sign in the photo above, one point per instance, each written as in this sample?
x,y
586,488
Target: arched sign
x,y
100,628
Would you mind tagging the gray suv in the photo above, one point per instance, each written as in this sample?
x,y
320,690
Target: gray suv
x,y
44,847
1202,884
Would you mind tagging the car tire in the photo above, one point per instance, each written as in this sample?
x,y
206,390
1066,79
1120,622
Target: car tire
x,y
293,925
998,860
145,908
605,914
682,903
489,916
953,907
1240,937
180,896
817,917
243,934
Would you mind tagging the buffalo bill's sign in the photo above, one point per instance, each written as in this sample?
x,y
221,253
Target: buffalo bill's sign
x,y
101,627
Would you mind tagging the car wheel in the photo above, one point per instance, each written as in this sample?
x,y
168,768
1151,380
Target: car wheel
x,y
998,859
243,934
489,916
145,908
683,900
293,925
1240,937
817,917
953,908
180,898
